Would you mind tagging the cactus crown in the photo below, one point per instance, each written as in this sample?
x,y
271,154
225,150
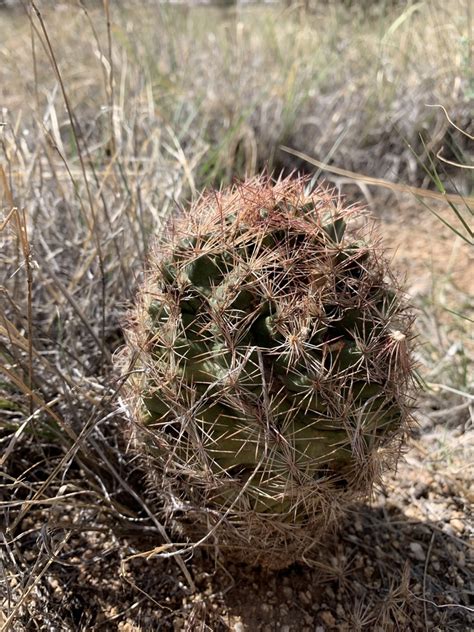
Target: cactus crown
x,y
273,344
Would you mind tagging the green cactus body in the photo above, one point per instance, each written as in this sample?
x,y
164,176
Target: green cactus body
x,y
273,348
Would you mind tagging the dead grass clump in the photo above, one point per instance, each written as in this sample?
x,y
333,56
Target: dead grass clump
x,y
339,83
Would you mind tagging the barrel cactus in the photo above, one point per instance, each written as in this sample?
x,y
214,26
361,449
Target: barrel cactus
x,y
271,369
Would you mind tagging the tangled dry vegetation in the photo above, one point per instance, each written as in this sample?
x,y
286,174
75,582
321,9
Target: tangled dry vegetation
x,y
111,117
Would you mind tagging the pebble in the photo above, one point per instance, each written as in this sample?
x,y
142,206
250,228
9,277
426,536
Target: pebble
x,y
417,551
447,528
178,624
457,524
327,618
55,585
369,571
420,490
330,593
288,592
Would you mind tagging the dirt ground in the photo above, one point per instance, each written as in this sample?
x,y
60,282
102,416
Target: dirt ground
x,y
404,562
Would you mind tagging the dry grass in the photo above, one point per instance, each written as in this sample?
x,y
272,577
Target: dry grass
x,y
106,125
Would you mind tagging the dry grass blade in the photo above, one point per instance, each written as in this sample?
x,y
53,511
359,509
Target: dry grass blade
x,y
378,182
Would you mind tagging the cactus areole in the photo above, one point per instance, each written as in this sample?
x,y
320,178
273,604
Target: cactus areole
x,y
272,369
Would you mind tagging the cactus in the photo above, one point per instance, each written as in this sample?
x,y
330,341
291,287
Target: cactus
x,y
272,368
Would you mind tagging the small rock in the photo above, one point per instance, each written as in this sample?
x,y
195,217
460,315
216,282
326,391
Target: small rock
x,y
420,490
417,551
447,528
330,593
369,571
178,624
288,592
327,618
457,525
55,584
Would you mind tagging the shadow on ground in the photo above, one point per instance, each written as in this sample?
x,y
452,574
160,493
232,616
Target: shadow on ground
x,y
383,572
